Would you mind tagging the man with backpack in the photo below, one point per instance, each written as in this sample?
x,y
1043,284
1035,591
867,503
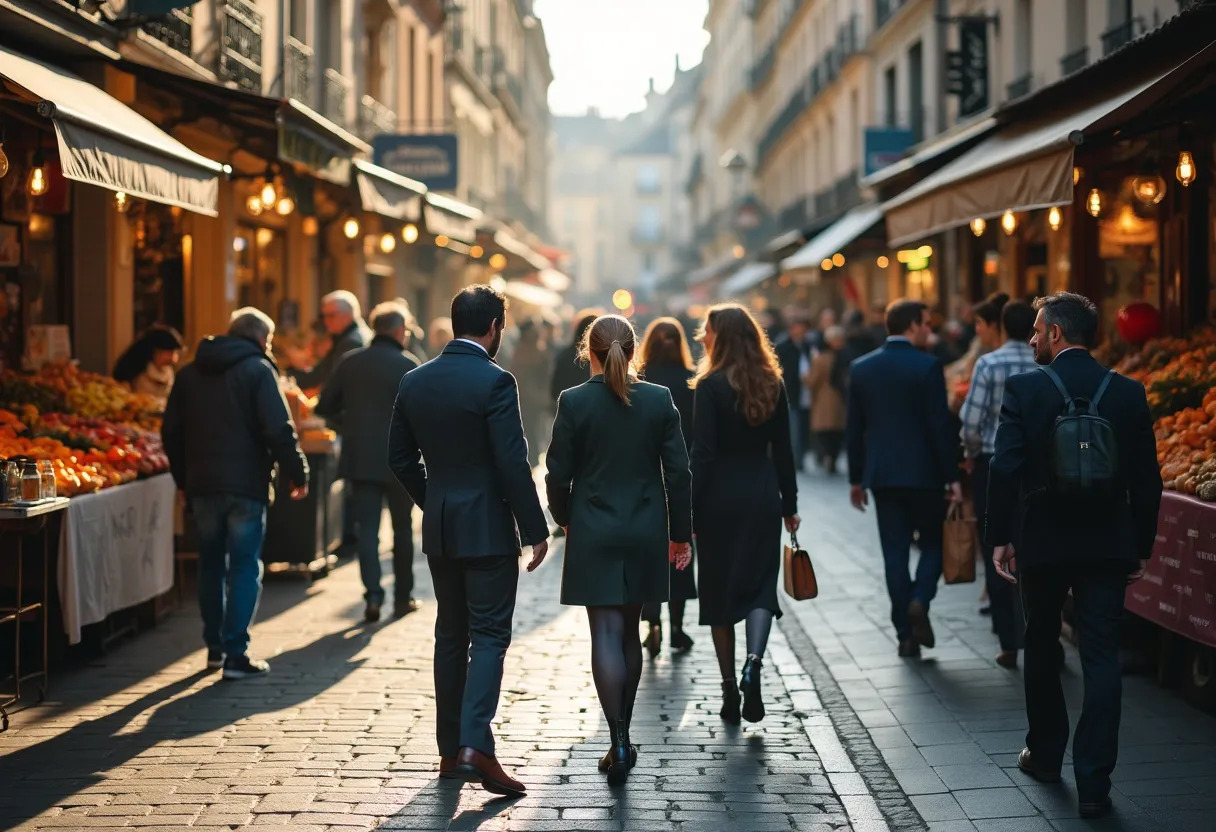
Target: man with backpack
x,y
1076,460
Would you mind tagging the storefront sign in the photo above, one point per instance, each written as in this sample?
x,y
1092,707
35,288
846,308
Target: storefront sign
x,y
967,69
431,160
303,147
885,146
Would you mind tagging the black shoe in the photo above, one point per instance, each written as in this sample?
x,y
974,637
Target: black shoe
x,y
623,754
681,642
986,610
1090,809
1008,659
243,667
215,659
606,761
749,686
1027,764
730,703
654,641
909,649
372,613
401,610
922,630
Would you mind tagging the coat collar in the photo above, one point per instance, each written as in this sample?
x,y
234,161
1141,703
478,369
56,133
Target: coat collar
x,y
388,341
456,347
1073,354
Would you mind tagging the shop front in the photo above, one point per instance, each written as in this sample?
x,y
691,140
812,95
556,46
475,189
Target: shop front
x,y
846,264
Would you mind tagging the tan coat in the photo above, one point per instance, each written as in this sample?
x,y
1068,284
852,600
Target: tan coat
x,y
827,403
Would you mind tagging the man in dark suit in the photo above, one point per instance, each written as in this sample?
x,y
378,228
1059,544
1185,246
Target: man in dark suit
x,y
359,398
460,412
902,448
794,352
1093,547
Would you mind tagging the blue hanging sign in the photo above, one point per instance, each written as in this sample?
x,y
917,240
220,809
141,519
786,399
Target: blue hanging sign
x,y
431,159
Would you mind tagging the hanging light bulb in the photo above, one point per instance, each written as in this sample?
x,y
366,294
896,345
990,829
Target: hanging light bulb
x,y
350,228
410,233
1054,218
1093,203
498,261
838,260
1077,173
476,251
1009,223
122,202
826,264
310,226
37,183
285,206
3,159
1186,168
883,261
388,243
1150,190
977,226
254,206
442,241
269,194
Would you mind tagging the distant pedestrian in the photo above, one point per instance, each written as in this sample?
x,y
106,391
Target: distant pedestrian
x,y
858,341
667,360
532,366
342,317
794,352
902,448
827,400
460,413
743,486
619,483
1004,330
438,335
359,398
1088,520
569,370
147,366
225,429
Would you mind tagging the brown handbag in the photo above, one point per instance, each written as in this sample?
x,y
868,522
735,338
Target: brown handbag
x,y
960,542
800,583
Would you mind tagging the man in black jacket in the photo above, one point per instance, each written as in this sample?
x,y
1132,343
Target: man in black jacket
x,y
359,397
460,412
226,426
1093,547
342,317
794,352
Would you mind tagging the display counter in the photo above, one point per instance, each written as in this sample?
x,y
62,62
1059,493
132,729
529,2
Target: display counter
x,y
302,534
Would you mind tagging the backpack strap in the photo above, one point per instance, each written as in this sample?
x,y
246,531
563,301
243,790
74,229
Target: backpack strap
x,y
1093,403
1059,384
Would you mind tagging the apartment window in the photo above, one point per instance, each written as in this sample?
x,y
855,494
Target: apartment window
x,y
648,262
649,223
1076,38
916,90
649,180
1119,12
890,98
411,64
299,20
333,35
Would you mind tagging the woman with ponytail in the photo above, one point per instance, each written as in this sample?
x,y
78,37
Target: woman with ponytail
x,y
744,486
619,483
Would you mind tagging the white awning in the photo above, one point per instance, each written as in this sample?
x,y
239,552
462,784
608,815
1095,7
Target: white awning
x,y
706,273
389,194
510,243
451,218
104,142
834,238
747,277
531,294
555,280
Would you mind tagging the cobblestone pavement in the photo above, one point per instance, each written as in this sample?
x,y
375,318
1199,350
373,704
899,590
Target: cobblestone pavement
x,y
340,735
949,727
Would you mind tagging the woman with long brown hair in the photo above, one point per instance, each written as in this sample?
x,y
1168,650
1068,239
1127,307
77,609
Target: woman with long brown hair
x,y
743,486
667,361
618,482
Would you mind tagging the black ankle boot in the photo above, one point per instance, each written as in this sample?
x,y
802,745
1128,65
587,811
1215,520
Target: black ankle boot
x,y
622,754
606,761
749,686
730,703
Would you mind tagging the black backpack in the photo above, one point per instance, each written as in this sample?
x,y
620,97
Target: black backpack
x,y
1084,450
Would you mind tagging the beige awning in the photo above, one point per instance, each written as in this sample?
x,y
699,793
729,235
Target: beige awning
x,y
389,194
104,142
1022,167
531,294
835,237
746,278
554,280
451,218
508,242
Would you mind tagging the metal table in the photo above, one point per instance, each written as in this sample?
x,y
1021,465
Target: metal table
x,y
22,521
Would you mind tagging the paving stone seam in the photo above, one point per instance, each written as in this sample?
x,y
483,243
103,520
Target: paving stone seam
x,y
890,798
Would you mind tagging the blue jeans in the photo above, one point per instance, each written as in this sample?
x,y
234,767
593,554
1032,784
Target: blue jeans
x,y
902,514
231,530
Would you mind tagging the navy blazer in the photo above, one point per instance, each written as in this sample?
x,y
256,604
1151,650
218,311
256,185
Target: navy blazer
x,y
899,432
1020,510
460,413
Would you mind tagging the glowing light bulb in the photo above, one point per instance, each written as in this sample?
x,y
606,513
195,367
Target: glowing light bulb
x,y
350,228
826,264
978,225
255,206
268,193
388,244
838,260
1093,203
622,299
1009,223
498,262
3,162
442,241
310,226
122,202
476,251
1186,168
924,252
883,261
1077,173
410,233
37,183
285,206
1054,218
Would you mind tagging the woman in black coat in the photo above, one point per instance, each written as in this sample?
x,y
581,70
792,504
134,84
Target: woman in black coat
x,y
666,361
743,486
619,482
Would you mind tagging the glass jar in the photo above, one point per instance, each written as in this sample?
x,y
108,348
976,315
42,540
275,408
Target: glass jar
x,y
12,477
46,473
31,482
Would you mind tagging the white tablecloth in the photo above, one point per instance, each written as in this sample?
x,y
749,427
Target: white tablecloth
x,y
116,551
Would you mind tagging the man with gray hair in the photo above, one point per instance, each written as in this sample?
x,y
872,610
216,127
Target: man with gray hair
x,y
342,317
225,429
359,399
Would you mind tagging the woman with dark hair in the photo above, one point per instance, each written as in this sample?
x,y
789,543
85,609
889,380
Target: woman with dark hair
x,y
618,482
743,486
667,361
147,365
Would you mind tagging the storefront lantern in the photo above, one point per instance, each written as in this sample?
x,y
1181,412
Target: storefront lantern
x,y
410,233
1009,223
476,251
1186,168
883,261
37,183
838,260
1054,218
1149,190
388,244
498,262
1093,203
350,228
269,195
978,225
285,206
3,158
122,202
1077,173
1138,322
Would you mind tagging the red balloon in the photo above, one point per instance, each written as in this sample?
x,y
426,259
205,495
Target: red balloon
x,y
1138,322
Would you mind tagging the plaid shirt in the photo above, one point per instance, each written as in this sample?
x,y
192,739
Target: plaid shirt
x,y
981,411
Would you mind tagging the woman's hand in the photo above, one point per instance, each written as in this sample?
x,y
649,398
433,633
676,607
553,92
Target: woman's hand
x,y
793,523
679,554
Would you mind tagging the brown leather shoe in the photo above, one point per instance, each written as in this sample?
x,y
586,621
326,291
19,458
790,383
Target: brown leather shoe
x,y
922,630
447,768
1027,764
474,767
1008,659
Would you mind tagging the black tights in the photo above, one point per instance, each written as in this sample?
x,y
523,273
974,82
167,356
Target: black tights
x,y
616,657
759,624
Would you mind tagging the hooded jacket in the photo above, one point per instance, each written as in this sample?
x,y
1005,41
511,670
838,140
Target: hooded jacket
x,y
227,424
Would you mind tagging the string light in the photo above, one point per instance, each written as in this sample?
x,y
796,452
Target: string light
x,y
310,226
498,262
410,233
3,158
37,183
388,243
1093,203
1054,218
442,241
1077,173
254,206
883,261
1186,168
1150,190
476,251
285,206
1009,223
269,194
350,228
838,260
826,265
978,225
122,202
924,252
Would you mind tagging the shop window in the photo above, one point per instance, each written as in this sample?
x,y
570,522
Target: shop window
x,y
158,294
1129,244
260,268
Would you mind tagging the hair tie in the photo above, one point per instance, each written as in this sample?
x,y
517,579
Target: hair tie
x,y
615,343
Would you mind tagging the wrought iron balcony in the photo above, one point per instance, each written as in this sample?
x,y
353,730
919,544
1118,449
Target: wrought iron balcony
x,y
297,71
1020,87
794,215
240,59
336,93
762,69
375,119
847,191
1119,36
884,10
1074,61
173,30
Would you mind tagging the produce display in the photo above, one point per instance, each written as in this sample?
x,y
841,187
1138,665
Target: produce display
x,y
96,432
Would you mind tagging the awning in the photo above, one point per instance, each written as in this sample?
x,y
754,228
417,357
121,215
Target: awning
x,y
930,151
747,277
511,244
835,237
389,194
104,142
553,279
713,270
1023,167
531,294
450,218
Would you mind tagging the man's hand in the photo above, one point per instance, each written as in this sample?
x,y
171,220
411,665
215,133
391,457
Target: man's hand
x,y
1139,573
538,555
1005,562
793,523
956,492
299,492
858,497
679,554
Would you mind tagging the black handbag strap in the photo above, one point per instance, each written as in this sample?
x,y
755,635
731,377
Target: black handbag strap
x,y
794,541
